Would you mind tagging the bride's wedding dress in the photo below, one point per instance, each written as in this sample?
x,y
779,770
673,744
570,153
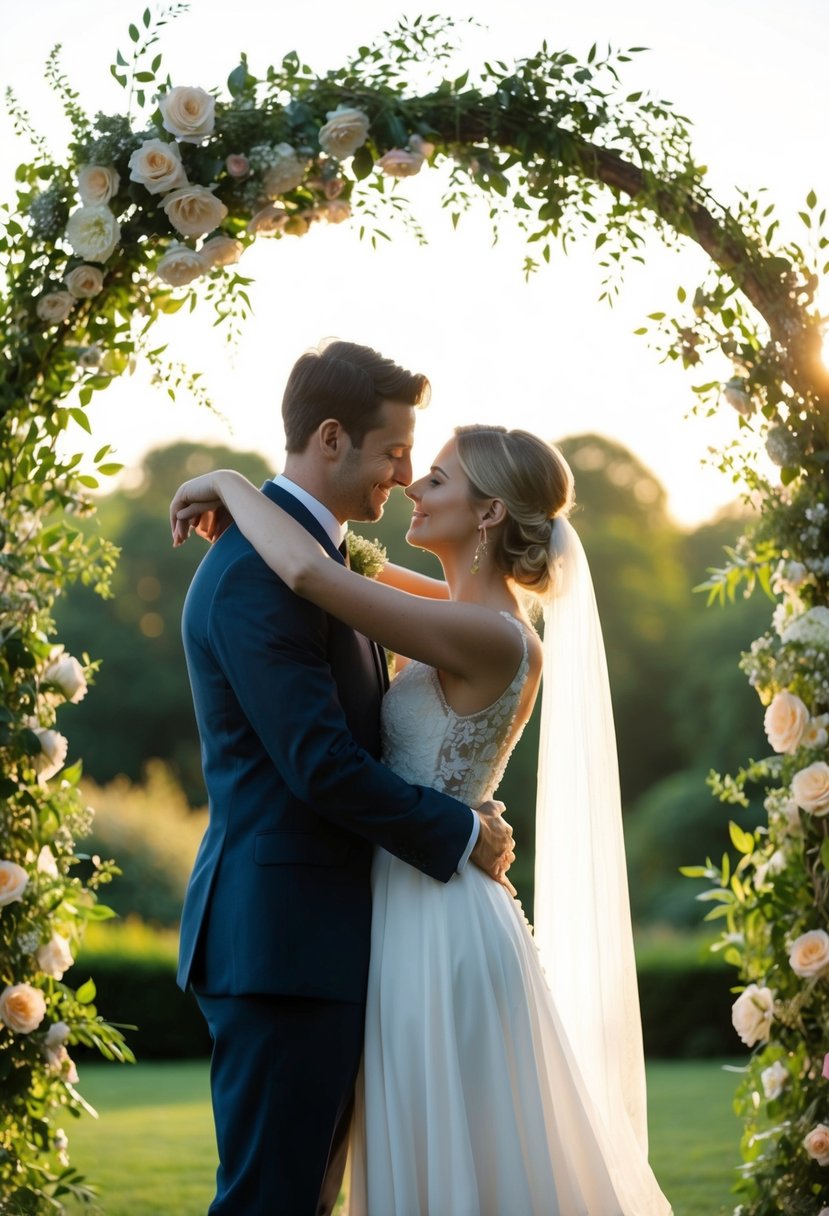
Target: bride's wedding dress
x,y
470,1101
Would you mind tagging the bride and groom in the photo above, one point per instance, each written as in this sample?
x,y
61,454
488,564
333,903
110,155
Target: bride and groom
x,y
368,979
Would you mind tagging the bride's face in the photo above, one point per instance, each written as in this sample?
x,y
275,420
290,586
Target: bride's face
x,y
444,518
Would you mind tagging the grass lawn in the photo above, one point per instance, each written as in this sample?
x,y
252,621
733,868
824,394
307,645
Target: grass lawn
x,y
152,1149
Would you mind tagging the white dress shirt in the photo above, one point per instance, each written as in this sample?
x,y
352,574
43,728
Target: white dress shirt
x,y
337,531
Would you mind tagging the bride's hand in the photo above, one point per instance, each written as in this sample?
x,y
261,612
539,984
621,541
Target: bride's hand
x,y
493,851
198,504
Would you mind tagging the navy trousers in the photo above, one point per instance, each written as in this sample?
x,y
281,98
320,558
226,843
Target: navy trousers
x,y
282,1081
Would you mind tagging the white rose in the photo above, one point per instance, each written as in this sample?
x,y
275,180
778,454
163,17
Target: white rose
x,y
22,1008
194,210
816,734
54,957
816,1144
97,184
55,307
810,788
53,749
56,1036
809,954
46,863
269,219
157,167
188,113
66,673
13,882
221,251
811,628
785,721
774,1080
286,174
398,163
752,1014
84,282
93,233
345,132
180,266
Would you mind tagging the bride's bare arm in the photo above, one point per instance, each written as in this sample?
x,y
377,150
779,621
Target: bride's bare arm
x,y
410,580
445,634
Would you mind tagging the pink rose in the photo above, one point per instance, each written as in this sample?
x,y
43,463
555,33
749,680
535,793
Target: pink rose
x,y
398,163
237,165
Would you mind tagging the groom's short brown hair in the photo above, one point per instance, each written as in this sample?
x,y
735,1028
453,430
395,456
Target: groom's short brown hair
x,y
348,382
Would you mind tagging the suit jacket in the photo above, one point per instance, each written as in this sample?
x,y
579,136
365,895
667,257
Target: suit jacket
x,y
287,700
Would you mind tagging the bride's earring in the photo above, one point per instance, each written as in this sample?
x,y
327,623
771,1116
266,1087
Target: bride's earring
x,y
480,550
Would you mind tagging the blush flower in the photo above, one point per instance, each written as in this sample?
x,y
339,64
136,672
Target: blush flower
x,y
188,113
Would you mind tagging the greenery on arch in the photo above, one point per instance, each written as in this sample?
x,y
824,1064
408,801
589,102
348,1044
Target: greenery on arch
x,y
154,205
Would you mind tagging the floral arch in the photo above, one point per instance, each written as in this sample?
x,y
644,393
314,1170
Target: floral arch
x,y
151,204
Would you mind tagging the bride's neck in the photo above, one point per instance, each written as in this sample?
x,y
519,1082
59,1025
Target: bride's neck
x,y
486,585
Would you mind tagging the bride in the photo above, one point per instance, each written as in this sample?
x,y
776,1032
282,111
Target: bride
x,y
502,1072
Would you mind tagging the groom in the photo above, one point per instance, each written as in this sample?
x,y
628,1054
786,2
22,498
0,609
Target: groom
x,y
276,922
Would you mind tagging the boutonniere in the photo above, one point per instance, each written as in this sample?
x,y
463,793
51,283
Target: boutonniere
x,y
364,555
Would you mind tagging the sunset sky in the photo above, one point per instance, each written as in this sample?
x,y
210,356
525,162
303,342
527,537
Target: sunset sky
x,y
753,77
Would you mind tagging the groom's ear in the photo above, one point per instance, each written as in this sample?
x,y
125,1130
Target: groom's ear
x,y
331,439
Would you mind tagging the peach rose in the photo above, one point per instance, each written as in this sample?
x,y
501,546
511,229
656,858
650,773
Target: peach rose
x,y
810,788
752,1014
269,219
66,674
221,251
238,166
93,233
785,721
55,307
337,210
97,184
188,113
809,954
194,210
54,957
816,1144
286,174
345,132
398,163
180,266
84,282
157,167
22,1008
13,882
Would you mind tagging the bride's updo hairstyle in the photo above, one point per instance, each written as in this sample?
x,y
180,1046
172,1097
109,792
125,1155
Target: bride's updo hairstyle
x,y
534,482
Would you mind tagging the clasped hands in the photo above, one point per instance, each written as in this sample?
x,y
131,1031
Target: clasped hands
x,y
197,504
494,850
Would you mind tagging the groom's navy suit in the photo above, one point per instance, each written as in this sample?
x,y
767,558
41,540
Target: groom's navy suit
x,y
275,929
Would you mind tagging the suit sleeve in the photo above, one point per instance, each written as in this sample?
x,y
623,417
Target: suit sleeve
x,y
271,646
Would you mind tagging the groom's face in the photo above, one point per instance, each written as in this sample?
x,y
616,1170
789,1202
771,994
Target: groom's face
x,y
368,474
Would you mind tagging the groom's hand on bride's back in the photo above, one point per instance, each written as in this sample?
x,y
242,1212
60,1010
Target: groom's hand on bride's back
x,y
493,852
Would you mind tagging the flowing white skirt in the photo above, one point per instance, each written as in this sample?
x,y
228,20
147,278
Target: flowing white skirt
x,y
469,1102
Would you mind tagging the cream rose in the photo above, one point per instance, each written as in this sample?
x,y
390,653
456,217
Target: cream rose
x,y
53,749
221,251
269,219
55,307
809,954
752,1014
189,113
54,957
157,167
785,721
22,1008
816,1144
66,673
84,282
13,882
816,735
345,132
194,210
286,174
180,266
398,163
774,1080
810,788
97,184
93,233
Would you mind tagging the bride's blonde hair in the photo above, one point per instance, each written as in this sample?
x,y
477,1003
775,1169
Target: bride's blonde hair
x,y
534,481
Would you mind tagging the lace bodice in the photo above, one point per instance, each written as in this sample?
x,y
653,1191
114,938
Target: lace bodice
x,y
427,743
